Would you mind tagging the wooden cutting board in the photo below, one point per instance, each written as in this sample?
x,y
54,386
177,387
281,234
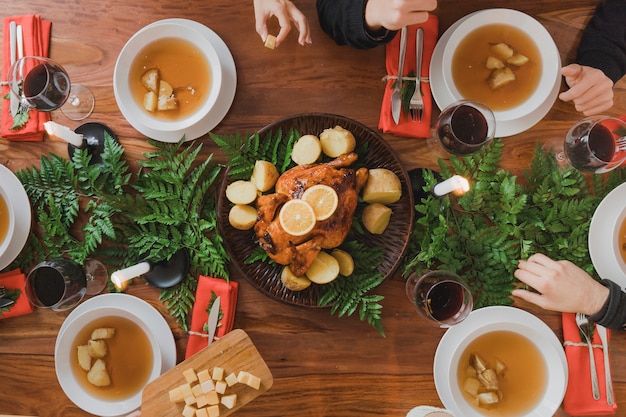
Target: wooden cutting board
x,y
234,352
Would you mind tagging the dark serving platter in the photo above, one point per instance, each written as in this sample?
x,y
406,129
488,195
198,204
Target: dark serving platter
x,y
266,277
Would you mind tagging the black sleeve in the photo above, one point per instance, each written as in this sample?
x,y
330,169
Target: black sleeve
x,y
613,312
603,43
344,22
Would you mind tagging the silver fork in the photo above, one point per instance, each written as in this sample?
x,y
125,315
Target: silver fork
x,y
3,291
620,144
416,105
583,325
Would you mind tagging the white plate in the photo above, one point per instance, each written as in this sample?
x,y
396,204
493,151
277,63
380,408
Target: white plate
x,y
604,235
21,206
487,319
508,122
224,100
151,317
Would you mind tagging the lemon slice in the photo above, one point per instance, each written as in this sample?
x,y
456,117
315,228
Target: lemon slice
x,y
297,217
323,199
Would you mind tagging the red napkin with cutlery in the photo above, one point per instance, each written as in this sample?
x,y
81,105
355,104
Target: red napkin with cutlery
x,y
578,399
407,127
209,288
36,43
11,281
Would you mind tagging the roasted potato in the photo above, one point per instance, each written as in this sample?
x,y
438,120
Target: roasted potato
x,y
383,186
324,269
337,141
242,216
241,192
346,262
306,150
264,175
376,218
292,281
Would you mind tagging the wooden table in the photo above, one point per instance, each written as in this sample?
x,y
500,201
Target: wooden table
x,y
322,365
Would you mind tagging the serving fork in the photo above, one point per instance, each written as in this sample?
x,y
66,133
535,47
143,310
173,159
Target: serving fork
x,y
620,144
583,325
416,105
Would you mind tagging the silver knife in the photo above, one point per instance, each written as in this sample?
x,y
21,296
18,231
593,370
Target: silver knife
x,y
13,49
214,315
607,367
5,302
396,95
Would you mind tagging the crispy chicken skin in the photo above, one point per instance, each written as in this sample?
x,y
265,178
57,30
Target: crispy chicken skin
x,y
299,251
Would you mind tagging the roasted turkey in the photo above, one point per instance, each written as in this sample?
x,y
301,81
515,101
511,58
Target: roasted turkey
x,y
299,251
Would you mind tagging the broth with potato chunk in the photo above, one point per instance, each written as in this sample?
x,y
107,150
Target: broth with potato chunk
x,y
471,75
128,359
520,369
183,66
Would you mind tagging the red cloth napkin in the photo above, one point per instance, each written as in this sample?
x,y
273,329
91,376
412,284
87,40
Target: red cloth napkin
x,y
36,43
578,397
208,288
407,127
14,280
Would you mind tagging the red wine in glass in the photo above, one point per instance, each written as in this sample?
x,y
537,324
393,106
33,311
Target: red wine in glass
x,y
440,296
46,86
58,284
42,84
591,144
465,127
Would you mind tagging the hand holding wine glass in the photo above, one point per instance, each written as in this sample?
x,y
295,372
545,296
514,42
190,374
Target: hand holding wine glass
x,y
44,85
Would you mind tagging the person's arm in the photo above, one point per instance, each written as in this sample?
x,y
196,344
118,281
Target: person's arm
x,y
344,22
601,60
364,24
603,43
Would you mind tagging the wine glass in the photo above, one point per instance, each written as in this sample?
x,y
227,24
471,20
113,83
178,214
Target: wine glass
x,y
464,127
60,284
42,84
440,296
596,144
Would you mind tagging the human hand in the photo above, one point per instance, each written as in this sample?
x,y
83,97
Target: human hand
x,y
286,13
590,90
395,14
560,285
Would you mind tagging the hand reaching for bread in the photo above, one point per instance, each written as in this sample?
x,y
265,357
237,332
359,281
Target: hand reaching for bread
x,y
287,14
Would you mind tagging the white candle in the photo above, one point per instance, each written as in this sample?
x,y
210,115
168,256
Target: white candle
x,y
123,275
456,184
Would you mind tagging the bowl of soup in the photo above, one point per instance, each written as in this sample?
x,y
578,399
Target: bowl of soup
x,y
501,362
503,58
104,357
168,77
607,237
7,219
